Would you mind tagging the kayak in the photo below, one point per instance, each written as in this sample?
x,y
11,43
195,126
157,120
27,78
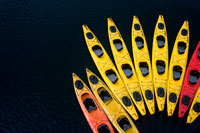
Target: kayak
x,y
191,82
125,66
113,109
142,64
108,71
93,112
160,62
177,67
195,108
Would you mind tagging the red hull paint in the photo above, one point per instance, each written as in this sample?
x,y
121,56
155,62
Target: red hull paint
x,y
188,91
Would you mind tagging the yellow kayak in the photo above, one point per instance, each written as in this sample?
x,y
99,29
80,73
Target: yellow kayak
x,y
125,66
160,62
177,67
108,71
195,108
142,64
115,112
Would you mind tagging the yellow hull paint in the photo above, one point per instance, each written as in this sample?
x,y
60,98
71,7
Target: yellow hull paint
x,y
160,57
106,67
192,113
174,86
122,60
111,107
141,54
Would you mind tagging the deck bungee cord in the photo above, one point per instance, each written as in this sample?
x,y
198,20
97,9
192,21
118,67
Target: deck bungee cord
x,y
93,112
177,67
125,66
160,62
108,71
191,82
113,109
142,64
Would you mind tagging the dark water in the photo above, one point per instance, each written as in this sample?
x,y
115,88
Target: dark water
x,y
41,44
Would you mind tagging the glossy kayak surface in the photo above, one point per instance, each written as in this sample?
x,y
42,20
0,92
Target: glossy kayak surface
x,y
195,108
142,64
177,67
125,66
108,71
113,109
160,62
93,112
191,82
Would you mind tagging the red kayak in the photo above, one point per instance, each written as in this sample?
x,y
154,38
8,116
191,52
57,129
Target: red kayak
x,y
191,82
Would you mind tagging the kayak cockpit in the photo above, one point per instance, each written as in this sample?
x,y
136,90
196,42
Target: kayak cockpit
x,y
111,76
181,47
118,44
103,129
89,104
97,50
160,41
140,42
127,70
160,65
144,68
124,123
104,95
177,71
194,77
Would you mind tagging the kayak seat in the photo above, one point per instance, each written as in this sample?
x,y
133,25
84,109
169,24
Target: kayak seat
x,y
137,96
104,95
160,41
118,44
103,129
93,79
89,35
127,70
172,97
184,32
89,104
112,76
194,77
161,26
196,107
199,53
160,92
79,84
144,68
113,29
137,26
177,71
97,50
149,94
186,100
126,101
181,47
124,123
160,65
140,42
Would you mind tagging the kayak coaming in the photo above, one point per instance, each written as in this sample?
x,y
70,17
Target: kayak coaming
x,y
113,108
104,64
160,54
189,90
142,55
192,113
174,86
121,58
96,117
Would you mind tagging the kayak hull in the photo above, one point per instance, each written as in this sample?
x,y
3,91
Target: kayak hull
x,y
189,85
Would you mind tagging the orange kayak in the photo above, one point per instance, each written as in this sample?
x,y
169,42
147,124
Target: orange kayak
x,y
93,112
